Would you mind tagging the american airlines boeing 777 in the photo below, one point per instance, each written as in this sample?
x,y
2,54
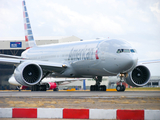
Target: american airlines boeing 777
x,y
83,59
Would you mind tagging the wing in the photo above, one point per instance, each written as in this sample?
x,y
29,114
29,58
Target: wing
x,y
10,59
51,66
149,61
45,65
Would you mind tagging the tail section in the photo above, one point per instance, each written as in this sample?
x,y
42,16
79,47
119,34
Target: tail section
x,y
30,42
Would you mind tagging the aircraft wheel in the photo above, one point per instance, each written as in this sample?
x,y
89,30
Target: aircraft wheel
x,y
42,87
98,88
35,88
56,89
102,88
118,88
92,88
123,88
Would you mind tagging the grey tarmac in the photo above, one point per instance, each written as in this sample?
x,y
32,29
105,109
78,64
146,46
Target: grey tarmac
x,y
81,99
80,94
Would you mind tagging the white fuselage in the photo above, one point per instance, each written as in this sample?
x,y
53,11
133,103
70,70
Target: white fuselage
x,y
87,58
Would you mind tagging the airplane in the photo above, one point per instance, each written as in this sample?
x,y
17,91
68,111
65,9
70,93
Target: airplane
x,y
82,59
48,83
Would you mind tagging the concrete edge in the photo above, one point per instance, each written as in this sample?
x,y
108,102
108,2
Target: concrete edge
x,y
92,113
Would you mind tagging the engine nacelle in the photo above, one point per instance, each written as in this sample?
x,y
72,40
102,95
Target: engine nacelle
x,y
28,74
51,85
138,77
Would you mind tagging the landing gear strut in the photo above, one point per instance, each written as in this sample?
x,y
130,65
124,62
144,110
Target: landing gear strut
x,y
97,86
19,88
121,87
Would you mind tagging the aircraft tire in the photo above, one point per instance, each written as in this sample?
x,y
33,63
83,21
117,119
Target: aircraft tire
x,y
102,88
123,88
118,88
35,88
92,88
97,88
42,88
56,89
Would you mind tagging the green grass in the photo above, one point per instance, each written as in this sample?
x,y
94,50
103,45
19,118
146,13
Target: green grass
x,y
143,89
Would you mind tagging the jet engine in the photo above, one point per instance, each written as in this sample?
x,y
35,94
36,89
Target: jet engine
x,y
28,74
138,77
51,85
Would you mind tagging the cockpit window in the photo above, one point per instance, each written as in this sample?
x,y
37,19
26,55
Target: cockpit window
x,y
126,50
132,50
119,51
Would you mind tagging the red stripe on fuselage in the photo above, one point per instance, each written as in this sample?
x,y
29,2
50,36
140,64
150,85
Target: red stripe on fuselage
x,y
96,54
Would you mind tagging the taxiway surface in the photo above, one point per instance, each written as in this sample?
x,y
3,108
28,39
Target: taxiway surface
x,y
79,94
81,99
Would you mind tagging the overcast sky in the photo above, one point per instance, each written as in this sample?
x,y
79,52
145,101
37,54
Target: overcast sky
x,y
137,21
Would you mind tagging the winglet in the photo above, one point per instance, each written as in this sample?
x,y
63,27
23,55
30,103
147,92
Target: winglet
x,y
29,39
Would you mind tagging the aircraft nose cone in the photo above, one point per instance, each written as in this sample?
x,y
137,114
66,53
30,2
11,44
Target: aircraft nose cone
x,y
129,63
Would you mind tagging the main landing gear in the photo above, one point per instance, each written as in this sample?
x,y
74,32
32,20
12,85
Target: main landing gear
x,y
56,89
38,88
120,87
97,86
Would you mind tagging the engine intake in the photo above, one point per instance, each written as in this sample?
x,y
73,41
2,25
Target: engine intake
x,y
28,74
138,77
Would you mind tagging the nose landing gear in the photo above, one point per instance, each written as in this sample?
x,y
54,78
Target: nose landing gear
x,y
97,86
120,86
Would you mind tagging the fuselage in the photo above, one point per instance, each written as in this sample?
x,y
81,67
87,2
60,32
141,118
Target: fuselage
x,y
88,58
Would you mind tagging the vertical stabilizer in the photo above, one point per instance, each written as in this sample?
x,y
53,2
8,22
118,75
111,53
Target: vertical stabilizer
x,y
29,39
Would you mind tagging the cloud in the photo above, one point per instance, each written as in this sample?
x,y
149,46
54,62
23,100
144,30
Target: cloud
x,y
11,19
153,55
85,19
97,22
103,23
156,11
